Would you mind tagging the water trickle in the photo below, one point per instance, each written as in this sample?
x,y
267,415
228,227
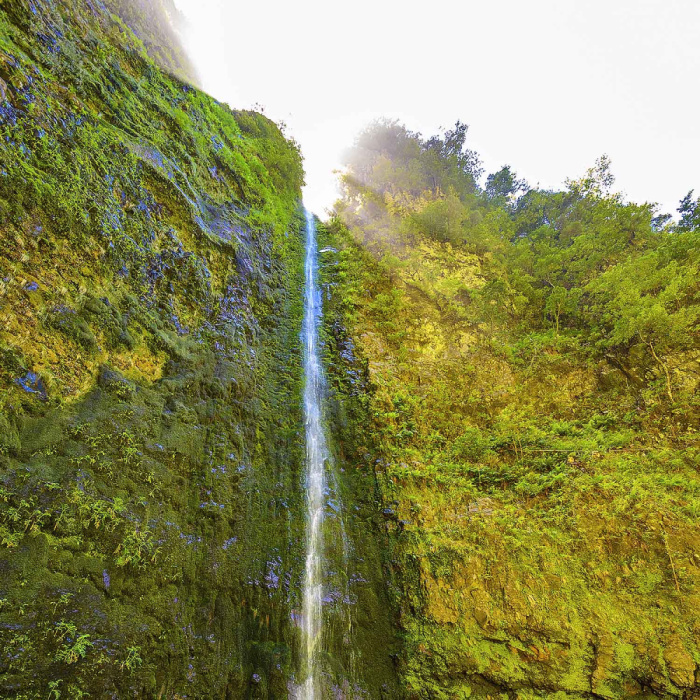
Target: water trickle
x,y
328,663
316,458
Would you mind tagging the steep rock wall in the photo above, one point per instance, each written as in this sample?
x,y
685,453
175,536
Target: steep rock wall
x,y
586,587
150,299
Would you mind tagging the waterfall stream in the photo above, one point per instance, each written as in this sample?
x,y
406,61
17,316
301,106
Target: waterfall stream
x,y
326,620
316,458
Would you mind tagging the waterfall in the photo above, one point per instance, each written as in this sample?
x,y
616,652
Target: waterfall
x,y
326,619
316,458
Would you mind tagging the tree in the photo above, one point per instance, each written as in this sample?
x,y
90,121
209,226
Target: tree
x,y
442,219
503,187
597,182
689,210
562,302
450,163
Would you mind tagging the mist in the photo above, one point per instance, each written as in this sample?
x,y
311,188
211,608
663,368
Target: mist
x,y
546,86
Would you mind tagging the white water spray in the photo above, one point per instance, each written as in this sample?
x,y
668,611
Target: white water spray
x,y
316,457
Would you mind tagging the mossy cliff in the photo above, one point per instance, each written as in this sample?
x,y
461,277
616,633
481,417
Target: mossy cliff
x,y
150,303
536,550
512,400
522,374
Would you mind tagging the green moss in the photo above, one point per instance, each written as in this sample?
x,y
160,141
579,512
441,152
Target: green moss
x,y
149,373
541,542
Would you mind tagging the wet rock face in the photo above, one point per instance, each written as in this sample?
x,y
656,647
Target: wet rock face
x,y
150,486
115,383
32,383
157,23
681,665
369,645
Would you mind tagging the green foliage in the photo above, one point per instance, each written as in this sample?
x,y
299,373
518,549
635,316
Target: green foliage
x,y
391,163
532,411
132,660
689,210
503,187
137,549
74,646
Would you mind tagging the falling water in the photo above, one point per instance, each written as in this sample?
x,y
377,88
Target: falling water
x,y
316,457
326,619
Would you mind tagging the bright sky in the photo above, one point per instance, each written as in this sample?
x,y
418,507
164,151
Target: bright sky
x,y
546,86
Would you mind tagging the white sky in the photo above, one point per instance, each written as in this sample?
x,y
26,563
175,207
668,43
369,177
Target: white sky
x,y
546,86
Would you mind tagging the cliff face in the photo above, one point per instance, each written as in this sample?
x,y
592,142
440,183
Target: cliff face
x,y
543,531
529,400
151,438
150,298
157,24
520,494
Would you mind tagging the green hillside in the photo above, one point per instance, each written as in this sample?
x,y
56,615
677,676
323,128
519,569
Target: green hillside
x,y
532,366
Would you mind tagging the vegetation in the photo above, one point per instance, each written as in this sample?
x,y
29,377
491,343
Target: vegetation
x,y
151,485
513,399
150,298
531,410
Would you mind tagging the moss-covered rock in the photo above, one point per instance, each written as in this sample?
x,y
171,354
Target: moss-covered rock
x,y
543,532
150,427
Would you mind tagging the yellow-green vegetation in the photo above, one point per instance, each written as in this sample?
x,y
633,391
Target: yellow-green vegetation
x,y
513,400
151,434
520,368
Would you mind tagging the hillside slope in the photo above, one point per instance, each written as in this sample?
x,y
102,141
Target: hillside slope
x,y
530,404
